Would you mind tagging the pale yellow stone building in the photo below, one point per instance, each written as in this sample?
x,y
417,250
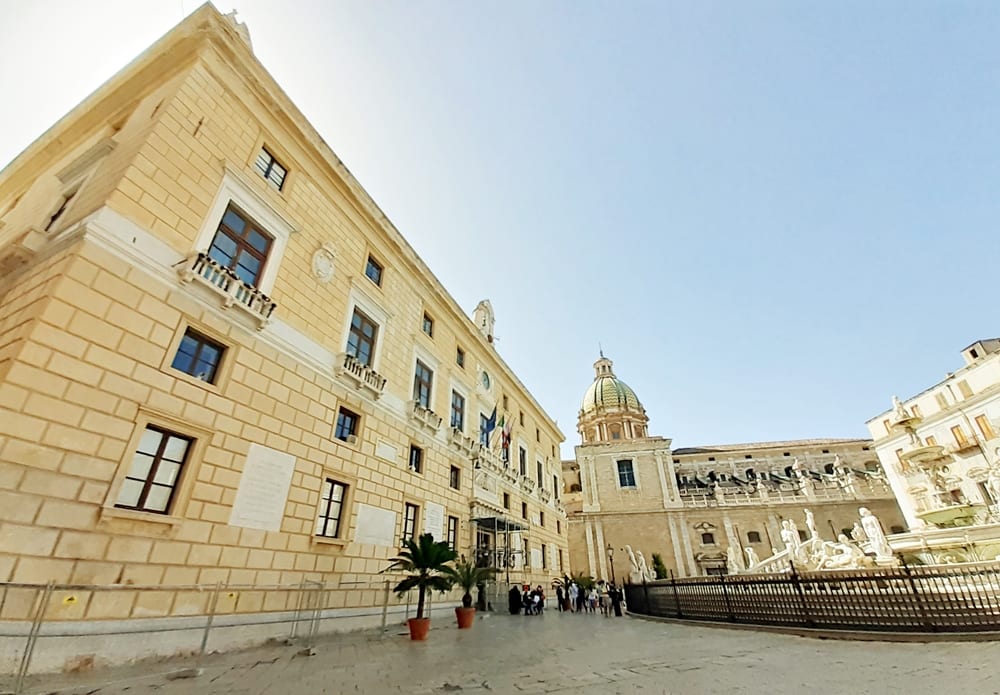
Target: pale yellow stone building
x,y
220,362
940,448
702,508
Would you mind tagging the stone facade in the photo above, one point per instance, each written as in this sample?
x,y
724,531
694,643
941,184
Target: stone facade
x,y
701,508
167,417
940,448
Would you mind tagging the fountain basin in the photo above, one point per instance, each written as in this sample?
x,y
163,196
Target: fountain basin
x,y
950,517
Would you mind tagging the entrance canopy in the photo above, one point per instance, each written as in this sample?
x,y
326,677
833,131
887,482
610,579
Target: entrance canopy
x,y
498,523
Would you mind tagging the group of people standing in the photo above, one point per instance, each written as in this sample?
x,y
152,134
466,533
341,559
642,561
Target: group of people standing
x,y
604,596
531,601
571,598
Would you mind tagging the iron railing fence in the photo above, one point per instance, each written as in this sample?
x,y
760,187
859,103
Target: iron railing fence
x,y
923,599
50,623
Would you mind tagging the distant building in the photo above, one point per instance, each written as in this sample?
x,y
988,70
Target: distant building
x,y
220,362
940,448
701,508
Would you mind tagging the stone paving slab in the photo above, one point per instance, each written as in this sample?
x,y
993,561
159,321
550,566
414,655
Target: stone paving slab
x,y
569,654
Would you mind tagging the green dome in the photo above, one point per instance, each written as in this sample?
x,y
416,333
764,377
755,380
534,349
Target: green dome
x,y
608,391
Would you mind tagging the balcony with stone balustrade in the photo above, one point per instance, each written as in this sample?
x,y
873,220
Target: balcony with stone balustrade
x,y
361,376
226,285
425,417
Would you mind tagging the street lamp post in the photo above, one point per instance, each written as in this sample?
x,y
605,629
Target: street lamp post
x,y
614,594
611,562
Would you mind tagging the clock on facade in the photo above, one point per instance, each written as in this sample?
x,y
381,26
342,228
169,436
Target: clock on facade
x,y
485,380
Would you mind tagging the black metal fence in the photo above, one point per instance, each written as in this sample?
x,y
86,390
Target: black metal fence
x,y
941,598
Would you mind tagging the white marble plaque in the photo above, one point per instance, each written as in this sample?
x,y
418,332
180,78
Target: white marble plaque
x,y
263,491
434,520
375,526
385,450
536,557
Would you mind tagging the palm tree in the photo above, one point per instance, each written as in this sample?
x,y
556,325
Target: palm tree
x,y
426,561
468,576
584,581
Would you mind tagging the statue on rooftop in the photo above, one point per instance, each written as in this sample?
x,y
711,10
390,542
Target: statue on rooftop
x,y
899,412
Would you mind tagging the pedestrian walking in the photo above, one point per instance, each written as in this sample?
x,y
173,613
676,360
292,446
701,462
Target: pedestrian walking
x,y
574,595
514,600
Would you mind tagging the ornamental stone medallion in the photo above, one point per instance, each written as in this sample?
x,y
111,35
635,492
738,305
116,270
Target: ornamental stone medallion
x,y
322,262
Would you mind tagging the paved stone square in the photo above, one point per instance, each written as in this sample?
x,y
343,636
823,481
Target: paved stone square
x,y
569,653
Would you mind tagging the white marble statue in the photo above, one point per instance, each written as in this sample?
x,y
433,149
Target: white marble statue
x,y
873,529
643,567
993,484
733,560
898,410
752,559
811,524
795,529
631,558
841,554
858,533
788,536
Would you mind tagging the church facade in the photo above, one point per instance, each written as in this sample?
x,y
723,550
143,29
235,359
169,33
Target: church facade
x,y
703,510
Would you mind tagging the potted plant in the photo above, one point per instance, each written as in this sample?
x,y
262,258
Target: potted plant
x,y
466,575
659,567
426,563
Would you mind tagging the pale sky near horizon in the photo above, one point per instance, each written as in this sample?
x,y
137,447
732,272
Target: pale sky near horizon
x,y
773,216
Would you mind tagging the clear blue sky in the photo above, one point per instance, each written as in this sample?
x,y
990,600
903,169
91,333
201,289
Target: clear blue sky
x,y
772,215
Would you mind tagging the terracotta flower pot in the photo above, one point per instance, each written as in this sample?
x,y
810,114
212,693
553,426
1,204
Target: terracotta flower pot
x,y
466,616
419,627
